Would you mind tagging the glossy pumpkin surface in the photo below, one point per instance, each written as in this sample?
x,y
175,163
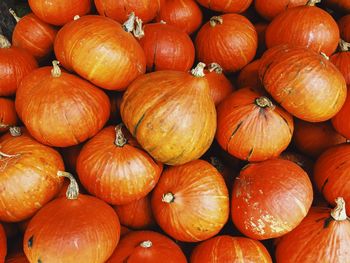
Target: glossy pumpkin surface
x,y
342,60
344,27
341,121
226,6
270,9
8,115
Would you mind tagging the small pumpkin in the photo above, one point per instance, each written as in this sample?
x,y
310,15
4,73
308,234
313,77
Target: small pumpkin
x,y
342,60
8,115
344,27
249,77
190,202
226,248
254,209
112,167
340,121
226,6
147,247
229,40
177,129
15,64
3,244
323,236
76,228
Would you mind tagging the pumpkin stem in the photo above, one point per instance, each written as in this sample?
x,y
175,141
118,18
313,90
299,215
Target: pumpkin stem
x,y
134,25
162,22
138,31
339,212
56,71
13,13
4,43
263,102
344,46
129,24
198,71
15,131
120,139
76,17
73,188
313,2
216,20
168,198
215,67
146,244
5,155
324,55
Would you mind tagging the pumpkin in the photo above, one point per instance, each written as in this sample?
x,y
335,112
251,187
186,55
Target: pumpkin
x,y
344,27
184,14
249,77
112,167
118,10
229,40
341,120
251,127
50,98
177,129
190,202
28,178
124,230
342,60
342,6
270,9
99,50
303,82
17,258
303,161
137,214
147,247
76,228
323,236
270,198
33,35
331,173
226,248
313,139
8,115
226,6
15,64
60,12
3,244
307,26
167,48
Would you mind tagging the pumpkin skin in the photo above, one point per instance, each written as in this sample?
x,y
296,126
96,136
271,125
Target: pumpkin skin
x,y
34,35
344,27
249,77
15,64
342,60
331,173
116,170
184,14
85,107
230,249
303,161
306,26
254,209
61,12
147,247
303,82
313,139
270,9
52,235
341,120
119,11
226,6
251,128
167,48
229,40
3,244
8,115
99,50
160,125
29,176
318,238
17,258
190,202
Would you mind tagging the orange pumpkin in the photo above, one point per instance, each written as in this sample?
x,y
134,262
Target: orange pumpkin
x,y
226,6
342,60
8,115
341,121
344,27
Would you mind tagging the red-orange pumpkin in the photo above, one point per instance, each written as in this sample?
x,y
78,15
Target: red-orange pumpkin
x,y
177,129
270,9
270,198
190,202
229,40
344,27
99,50
76,228
341,121
313,139
342,6
303,82
226,248
34,35
303,161
184,14
342,60
167,48
249,77
8,115
112,167
19,257
251,127
28,176
3,244
15,64
59,12
331,173
147,247
307,26
119,10
226,6
323,236
60,109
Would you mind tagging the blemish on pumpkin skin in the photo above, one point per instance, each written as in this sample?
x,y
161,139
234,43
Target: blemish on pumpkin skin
x,y
39,261
324,185
30,242
138,124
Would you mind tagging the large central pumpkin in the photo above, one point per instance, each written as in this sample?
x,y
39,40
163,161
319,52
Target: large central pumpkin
x,y
171,114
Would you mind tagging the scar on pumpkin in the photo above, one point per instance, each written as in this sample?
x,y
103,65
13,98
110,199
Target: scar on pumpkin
x,y
30,241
